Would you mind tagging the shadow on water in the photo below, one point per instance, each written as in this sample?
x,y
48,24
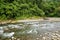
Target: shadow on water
x,y
43,30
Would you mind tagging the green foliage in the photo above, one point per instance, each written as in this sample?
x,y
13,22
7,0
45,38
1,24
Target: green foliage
x,y
57,12
17,9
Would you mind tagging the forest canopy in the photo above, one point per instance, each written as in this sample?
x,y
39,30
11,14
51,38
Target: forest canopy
x,y
17,9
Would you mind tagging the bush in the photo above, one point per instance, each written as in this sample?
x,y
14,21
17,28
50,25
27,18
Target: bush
x,y
13,9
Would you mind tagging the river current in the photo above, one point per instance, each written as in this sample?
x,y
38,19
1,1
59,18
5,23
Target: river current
x,y
39,30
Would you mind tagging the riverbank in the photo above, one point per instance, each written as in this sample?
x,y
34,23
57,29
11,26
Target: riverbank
x,y
28,20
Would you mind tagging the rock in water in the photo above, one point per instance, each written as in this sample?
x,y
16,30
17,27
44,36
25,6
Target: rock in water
x,y
8,34
1,30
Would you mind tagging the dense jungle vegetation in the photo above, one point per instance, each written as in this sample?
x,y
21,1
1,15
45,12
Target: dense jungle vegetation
x,y
18,9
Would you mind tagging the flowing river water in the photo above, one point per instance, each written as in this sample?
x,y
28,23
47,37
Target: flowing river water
x,y
39,30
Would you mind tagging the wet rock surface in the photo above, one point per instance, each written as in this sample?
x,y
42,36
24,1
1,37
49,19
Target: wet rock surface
x,y
43,30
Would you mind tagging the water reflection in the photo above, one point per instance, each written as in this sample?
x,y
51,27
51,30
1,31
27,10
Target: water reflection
x,y
32,30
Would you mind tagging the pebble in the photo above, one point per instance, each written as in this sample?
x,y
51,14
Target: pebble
x,y
37,38
44,38
18,39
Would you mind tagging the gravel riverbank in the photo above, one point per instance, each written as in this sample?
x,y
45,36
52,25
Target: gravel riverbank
x,y
27,20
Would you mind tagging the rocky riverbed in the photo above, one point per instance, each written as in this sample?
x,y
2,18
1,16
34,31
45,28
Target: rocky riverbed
x,y
37,30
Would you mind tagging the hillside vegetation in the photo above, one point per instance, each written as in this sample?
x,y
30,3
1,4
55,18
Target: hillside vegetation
x,y
20,9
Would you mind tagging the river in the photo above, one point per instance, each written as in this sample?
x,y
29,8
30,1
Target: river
x,y
39,30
